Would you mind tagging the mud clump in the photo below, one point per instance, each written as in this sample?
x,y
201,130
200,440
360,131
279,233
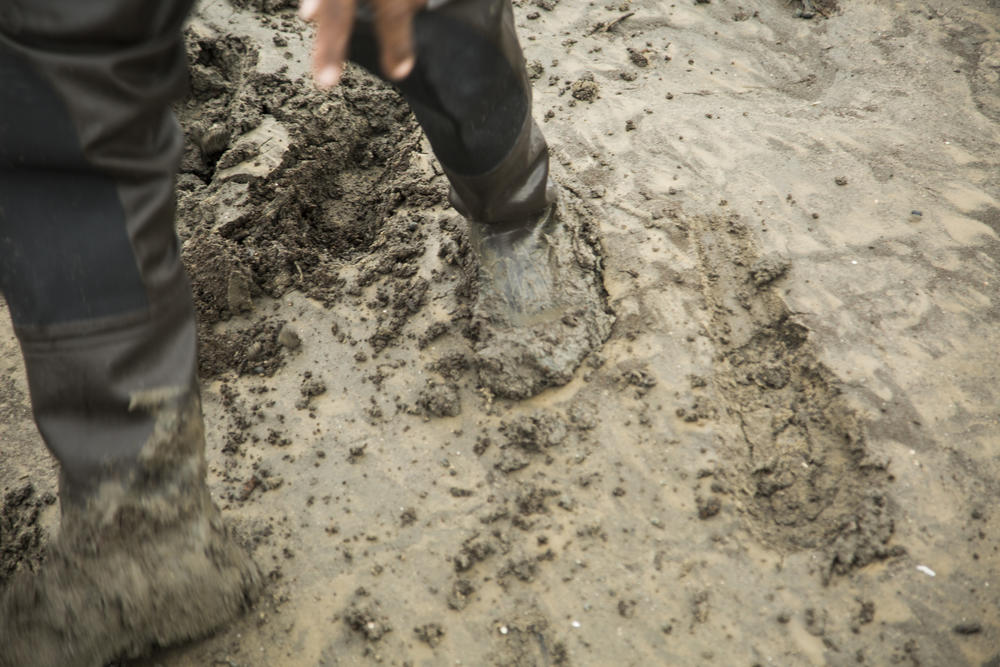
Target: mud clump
x,y
430,633
534,433
364,617
461,592
253,350
585,88
708,507
768,269
474,550
438,399
639,57
21,536
531,499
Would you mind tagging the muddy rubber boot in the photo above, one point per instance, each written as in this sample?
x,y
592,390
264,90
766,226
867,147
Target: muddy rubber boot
x,y
515,271
143,560
540,307
90,270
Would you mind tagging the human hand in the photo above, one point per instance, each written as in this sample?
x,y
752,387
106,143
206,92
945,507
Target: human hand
x,y
334,23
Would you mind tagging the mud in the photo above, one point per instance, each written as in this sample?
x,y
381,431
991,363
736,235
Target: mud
x,y
808,478
275,198
21,534
784,450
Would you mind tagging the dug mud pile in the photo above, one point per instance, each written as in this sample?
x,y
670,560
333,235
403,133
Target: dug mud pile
x,y
276,197
783,452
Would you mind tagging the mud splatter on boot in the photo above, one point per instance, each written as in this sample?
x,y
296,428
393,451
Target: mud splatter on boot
x,y
541,304
145,561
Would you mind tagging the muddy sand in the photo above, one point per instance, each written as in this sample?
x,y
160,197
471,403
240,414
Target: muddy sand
x,y
786,450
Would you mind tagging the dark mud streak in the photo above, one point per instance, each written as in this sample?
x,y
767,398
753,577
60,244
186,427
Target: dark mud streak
x,y
801,451
970,43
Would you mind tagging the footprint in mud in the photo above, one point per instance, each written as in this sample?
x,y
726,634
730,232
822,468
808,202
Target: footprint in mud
x,y
520,359
800,447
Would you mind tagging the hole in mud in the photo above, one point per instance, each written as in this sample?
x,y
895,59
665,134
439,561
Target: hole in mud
x,y
281,186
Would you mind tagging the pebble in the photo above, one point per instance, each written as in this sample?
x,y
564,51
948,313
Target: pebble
x,y
968,628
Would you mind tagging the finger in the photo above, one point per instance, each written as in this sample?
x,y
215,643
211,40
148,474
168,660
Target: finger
x,y
394,30
307,9
334,20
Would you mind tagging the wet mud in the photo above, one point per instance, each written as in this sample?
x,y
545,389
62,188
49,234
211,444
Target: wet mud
x,y
769,436
273,197
518,357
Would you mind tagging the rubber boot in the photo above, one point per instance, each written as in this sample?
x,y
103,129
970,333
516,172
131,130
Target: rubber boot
x,y
541,306
470,91
90,270
143,561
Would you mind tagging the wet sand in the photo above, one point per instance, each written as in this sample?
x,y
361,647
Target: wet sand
x,y
786,451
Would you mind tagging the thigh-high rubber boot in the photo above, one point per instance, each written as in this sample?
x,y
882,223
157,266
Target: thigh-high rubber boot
x,y
90,271
470,91
471,94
